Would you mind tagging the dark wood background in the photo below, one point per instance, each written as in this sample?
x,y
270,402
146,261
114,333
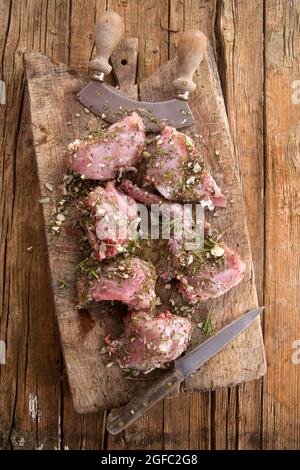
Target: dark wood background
x,y
257,44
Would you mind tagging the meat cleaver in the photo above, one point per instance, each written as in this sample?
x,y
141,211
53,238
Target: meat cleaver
x,y
103,100
120,418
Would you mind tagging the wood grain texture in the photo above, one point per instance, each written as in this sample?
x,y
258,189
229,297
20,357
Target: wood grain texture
x,y
221,419
189,416
30,384
239,53
148,432
124,63
81,432
53,104
142,20
32,400
207,101
281,408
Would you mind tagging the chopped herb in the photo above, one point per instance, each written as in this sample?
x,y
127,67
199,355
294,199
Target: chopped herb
x,y
63,284
88,269
94,273
133,245
209,325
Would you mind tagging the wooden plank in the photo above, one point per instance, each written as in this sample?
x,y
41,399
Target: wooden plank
x,y
273,435
281,408
64,251
191,14
187,419
81,431
88,366
81,40
146,433
53,91
240,51
157,94
234,364
143,21
30,388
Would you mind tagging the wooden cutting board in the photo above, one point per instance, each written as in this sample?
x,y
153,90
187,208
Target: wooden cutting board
x,y
57,119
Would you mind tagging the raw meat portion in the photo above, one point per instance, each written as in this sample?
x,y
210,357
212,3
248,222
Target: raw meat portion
x,y
203,273
129,280
147,198
178,171
207,273
148,343
110,219
177,213
140,194
119,147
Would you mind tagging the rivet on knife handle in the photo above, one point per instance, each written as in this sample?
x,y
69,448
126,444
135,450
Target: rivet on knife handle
x,y
108,32
190,52
120,418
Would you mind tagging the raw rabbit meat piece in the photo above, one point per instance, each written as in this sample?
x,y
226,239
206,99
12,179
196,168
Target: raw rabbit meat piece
x,y
203,273
206,273
118,148
110,219
129,280
148,343
178,171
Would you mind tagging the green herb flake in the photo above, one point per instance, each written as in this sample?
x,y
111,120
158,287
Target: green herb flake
x,y
63,284
209,325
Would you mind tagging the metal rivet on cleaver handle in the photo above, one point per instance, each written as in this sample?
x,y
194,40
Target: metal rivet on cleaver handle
x,y
108,32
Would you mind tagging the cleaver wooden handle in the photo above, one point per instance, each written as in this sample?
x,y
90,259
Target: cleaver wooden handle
x,y
108,32
191,49
120,418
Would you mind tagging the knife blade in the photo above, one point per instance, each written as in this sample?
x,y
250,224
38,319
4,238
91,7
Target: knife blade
x,y
120,418
193,360
105,102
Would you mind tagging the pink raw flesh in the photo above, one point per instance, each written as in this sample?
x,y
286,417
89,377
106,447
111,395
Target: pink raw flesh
x,y
111,221
148,343
130,280
147,198
178,171
120,148
212,280
197,282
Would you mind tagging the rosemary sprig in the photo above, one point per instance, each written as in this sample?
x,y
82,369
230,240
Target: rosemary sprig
x,y
209,327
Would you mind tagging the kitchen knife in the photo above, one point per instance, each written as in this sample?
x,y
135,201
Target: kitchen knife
x,y
105,101
120,418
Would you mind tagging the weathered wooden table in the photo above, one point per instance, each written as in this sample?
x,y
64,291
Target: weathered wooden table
x,y
257,44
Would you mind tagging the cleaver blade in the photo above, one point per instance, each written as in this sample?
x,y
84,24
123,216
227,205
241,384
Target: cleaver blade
x,y
105,102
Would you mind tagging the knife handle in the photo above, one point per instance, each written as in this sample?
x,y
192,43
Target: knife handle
x,y
108,32
120,418
191,49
